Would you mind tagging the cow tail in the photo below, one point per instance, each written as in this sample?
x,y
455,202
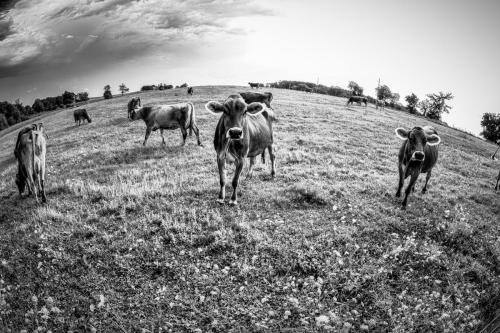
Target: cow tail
x,y
192,119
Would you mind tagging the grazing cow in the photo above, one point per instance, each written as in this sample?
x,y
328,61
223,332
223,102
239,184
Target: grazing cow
x,y
251,97
173,116
30,151
253,85
244,130
379,104
190,91
357,99
80,115
132,105
493,158
418,154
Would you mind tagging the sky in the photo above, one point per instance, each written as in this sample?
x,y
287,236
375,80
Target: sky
x,y
48,46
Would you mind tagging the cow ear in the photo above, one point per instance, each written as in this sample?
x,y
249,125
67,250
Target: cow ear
x,y
255,108
433,140
214,107
401,133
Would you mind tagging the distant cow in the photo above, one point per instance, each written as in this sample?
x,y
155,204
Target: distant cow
x,y
251,97
253,85
357,99
244,130
190,91
493,158
132,105
81,115
173,116
418,154
30,151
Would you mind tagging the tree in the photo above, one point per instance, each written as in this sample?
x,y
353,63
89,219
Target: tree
x,y
107,92
438,105
3,122
123,88
38,106
68,98
184,85
491,126
83,96
355,88
412,101
383,93
424,106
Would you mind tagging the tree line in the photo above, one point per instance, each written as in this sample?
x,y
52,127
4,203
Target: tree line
x,y
13,113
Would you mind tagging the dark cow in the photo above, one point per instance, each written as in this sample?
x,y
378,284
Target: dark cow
x,y
190,91
30,151
493,158
418,154
357,99
173,116
253,85
251,97
80,115
242,131
133,104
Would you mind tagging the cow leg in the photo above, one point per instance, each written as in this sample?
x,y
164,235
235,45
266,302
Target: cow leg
x,y
272,157
31,184
221,164
401,180
426,181
240,163
162,137
148,133
197,133
263,157
250,168
413,179
184,135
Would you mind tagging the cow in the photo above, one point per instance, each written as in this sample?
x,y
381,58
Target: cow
x,y
253,85
80,115
251,97
418,154
172,116
190,91
380,104
30,151
133,104
244,130
357,99
493,158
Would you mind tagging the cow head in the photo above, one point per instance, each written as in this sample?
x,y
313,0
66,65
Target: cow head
x,y
233,112
416,141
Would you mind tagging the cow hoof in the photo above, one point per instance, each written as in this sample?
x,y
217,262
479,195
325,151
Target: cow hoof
x,y
233,202
398,194
424,190
221,201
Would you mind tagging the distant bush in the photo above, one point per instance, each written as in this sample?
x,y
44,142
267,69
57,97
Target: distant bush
x,y
147,88
306,86
107,92
491,126
184,85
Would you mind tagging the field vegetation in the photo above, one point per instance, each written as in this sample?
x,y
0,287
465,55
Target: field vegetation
x,y
132,239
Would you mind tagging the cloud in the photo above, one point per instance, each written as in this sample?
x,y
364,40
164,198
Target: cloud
x,y
40,33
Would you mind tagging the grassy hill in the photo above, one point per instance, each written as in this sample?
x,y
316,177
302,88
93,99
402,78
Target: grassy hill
x,y
132,238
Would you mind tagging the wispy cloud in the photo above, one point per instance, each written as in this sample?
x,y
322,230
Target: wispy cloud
x,y
36,33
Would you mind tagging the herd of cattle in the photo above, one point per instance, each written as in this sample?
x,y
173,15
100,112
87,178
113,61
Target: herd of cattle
x,y
244,130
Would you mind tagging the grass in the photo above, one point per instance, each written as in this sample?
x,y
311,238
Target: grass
x,y
132,238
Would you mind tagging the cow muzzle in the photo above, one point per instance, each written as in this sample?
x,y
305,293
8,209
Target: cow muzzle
x,y
235,133
418,156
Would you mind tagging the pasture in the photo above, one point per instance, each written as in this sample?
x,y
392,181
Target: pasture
x,y
133,240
